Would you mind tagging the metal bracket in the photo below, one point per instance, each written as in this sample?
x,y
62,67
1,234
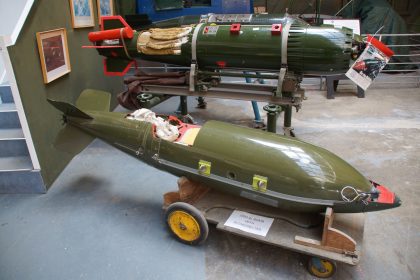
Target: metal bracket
x,y
193,70
280,81
283,69
140,151
187,119
204,167
259,93
194,42
288,131
259,183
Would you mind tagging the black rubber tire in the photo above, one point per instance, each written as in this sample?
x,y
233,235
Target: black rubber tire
x,y
195,214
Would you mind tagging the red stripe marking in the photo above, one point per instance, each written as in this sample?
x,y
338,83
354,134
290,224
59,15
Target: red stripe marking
x,y
385,195
381,46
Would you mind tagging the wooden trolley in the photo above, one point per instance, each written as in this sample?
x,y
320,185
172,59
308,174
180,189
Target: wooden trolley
x,y
327,239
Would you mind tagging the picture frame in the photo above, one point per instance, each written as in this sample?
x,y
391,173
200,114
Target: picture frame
x,y
53,54
105,8
81,13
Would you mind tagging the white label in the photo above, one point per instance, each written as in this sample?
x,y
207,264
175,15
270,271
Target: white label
x,y
367,67
251,223
353,24
211,30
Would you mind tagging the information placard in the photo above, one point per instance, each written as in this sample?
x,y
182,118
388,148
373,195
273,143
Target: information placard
x,y
370,63
251,223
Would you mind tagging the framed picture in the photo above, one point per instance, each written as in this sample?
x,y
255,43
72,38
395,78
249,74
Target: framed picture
x,y
53,53
81,13
105,8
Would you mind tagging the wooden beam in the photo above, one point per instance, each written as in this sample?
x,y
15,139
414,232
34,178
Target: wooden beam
x,y
332,239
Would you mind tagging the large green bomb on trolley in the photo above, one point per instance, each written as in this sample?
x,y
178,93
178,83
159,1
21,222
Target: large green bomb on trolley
x,y
279,171
215,46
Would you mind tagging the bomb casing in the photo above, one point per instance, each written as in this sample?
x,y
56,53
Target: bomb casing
x,y
271,169
290,43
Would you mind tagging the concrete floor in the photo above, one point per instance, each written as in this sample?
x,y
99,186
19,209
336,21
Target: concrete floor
x,y
102,218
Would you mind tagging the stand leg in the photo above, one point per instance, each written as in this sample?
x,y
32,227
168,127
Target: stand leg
x,y
258,122
330,88
360,92
272,114
288,130
183,110
184,105
202,104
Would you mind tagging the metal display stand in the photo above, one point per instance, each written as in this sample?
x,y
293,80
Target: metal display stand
x,y
286,95
327,239
332,83
255,92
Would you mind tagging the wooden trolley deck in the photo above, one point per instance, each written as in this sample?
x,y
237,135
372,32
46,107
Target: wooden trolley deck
x,y
331,237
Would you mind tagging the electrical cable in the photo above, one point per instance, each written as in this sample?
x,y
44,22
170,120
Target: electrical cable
x,y
364,196
269,216
343,7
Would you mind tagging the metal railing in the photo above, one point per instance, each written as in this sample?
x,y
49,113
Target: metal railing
x,y
399,74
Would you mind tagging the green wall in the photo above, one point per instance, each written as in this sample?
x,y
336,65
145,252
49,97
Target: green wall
x,y
86,72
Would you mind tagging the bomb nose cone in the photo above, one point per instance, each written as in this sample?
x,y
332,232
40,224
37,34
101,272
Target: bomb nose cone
x,y
397,201
387,199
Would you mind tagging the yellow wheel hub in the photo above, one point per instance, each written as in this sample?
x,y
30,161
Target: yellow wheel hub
x,y
184,225
327,271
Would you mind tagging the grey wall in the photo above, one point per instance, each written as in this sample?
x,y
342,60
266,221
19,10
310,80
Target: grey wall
x,y
44,120
2,71
9,14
